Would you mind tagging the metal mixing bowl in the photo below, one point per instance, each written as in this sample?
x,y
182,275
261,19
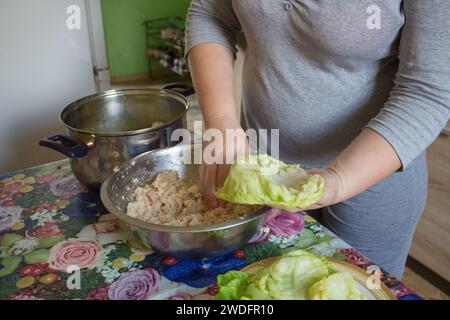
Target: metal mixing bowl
x,y
204,241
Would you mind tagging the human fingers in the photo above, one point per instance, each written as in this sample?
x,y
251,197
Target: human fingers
x,y
209,185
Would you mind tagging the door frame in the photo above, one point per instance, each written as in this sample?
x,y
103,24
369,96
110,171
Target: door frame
x,y
98,44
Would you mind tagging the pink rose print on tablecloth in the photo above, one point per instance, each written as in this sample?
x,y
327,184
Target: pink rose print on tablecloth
x,y
283,223
66,187
13,186
18,183
9,216
180,296
106,231
25,296
82,253
17,186
354,257
107,226
13,189
49,229
260,236
212,290
47,178
400,290
100,293
44,206
135,285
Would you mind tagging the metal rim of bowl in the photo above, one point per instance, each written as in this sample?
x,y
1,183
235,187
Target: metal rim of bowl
x,y
165,228
162,93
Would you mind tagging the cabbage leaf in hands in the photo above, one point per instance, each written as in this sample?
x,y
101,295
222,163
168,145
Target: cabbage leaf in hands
x,y
260,179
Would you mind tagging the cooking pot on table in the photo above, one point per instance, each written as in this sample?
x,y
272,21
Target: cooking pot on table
x,y
107,129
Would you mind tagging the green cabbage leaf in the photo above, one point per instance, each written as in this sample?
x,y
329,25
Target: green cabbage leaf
x,y
262,180
296,275
337,286
232,285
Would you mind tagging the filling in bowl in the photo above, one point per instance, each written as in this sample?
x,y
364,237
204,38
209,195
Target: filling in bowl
x,y
170,200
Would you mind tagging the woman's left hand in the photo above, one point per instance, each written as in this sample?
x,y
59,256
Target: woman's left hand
x,y
365,162
333,189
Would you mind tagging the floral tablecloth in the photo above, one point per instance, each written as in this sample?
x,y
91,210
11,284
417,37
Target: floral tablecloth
x,y
58,242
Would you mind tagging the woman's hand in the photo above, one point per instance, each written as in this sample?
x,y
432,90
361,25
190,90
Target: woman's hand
x,y
212,70
366,161
333,188
213,175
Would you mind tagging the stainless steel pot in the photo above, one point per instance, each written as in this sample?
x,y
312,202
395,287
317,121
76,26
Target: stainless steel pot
x,y
203,241
106,130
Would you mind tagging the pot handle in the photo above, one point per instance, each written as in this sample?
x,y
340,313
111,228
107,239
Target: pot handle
x,y
182,88
68,146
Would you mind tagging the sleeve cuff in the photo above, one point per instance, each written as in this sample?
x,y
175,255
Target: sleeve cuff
x,y
192,42
394,139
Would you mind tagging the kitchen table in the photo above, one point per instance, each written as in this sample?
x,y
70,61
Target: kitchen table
x,y
58,242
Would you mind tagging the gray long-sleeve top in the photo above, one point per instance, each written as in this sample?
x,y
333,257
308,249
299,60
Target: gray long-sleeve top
x,y
322,70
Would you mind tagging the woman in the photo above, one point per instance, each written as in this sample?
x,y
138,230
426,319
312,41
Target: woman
x,y
358,89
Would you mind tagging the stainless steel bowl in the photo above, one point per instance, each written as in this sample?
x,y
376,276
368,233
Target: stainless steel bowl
x,y
182,242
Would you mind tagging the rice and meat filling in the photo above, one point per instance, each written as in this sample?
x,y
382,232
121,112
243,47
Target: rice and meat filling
x,y
172,201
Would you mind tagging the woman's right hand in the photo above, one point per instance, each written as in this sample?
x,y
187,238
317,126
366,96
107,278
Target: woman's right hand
x,y
212,70
214,173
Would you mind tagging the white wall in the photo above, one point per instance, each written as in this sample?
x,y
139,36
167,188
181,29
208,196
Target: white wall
x,y
43,67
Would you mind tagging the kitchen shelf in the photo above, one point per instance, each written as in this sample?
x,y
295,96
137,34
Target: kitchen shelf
x,y
165,45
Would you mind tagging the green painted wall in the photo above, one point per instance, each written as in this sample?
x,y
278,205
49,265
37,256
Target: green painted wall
x,y
125,34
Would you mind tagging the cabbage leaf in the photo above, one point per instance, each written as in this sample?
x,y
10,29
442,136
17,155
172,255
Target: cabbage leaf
x,y
338,286
296,275
262,180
